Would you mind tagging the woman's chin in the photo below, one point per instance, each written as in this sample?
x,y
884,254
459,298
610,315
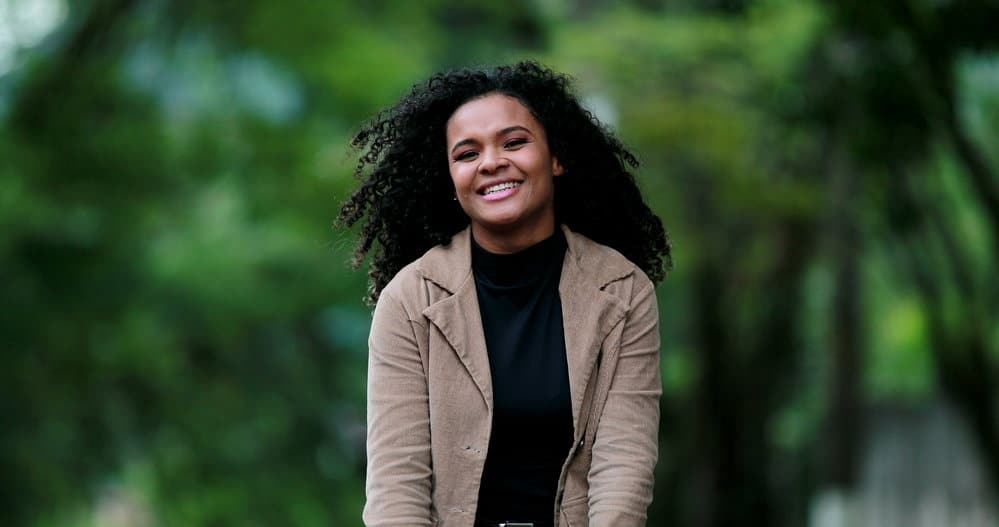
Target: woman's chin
x,y
500,220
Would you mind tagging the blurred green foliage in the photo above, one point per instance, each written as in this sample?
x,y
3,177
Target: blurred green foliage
x,y
185,341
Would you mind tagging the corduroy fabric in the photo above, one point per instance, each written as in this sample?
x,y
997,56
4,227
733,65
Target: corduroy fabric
x,y
430,396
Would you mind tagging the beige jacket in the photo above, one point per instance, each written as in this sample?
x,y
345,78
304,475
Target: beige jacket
x,y
430,398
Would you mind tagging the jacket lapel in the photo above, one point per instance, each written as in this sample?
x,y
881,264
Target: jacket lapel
x,y
457,316
588,313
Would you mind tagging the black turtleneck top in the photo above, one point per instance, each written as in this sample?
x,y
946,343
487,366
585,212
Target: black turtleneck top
x,y
532,419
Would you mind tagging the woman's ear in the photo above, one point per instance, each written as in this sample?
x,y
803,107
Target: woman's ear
x,y
557,169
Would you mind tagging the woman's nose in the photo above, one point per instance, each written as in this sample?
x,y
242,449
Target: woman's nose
x,y
492,161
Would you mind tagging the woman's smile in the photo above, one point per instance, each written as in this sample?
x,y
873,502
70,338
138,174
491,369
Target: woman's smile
x,y
499,191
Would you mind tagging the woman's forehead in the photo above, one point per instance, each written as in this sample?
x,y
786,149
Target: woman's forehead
x,y
489,114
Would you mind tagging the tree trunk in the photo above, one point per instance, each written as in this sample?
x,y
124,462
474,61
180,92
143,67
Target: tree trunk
x,y
960,352
844,423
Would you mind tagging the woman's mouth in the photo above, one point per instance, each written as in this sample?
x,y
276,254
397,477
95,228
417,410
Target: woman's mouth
x,y
500,190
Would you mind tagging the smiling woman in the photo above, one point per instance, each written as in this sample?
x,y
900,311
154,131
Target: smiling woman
x,y
513,370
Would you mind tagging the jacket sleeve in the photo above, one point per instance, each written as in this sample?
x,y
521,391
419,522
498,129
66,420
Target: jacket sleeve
x,y
625,447
398,480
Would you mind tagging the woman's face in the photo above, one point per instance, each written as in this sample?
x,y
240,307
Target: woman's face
x,y
502,171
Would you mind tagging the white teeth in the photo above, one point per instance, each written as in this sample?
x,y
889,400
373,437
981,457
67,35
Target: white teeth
x,y
501,186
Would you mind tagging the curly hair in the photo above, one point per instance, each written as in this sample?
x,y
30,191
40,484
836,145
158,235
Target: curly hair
x,y
407,194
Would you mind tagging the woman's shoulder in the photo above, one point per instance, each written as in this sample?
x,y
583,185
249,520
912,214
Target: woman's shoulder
x,y
445,266
605,261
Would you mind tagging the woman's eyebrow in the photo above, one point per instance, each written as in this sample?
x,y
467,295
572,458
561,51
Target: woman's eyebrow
x,y
502,132
513,128
461,143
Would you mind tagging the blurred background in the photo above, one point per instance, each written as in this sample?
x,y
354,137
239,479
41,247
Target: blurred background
x,y
184,342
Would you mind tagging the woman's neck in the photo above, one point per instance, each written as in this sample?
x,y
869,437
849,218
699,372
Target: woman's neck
x,y
509,242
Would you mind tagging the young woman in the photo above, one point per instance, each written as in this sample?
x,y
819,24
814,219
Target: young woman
x,y
513,373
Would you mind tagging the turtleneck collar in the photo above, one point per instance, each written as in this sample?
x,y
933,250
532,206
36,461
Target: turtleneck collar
x,y
522,268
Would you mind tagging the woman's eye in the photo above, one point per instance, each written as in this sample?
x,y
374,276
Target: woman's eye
x,y
467,154
515,142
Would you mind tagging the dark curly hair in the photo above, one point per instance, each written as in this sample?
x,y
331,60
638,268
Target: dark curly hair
x,y
407,195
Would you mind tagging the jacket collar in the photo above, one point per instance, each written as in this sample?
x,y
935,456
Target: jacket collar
x,y
449,266
588,312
